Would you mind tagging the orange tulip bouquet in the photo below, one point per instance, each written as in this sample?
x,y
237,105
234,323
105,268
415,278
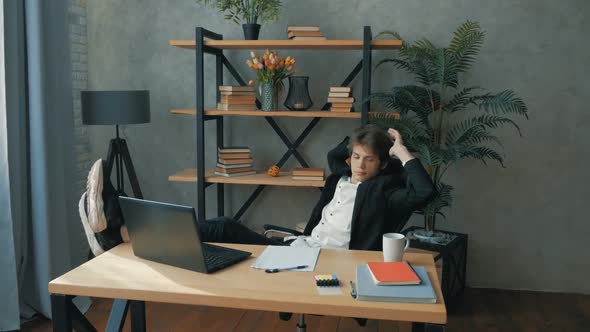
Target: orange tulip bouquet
x,y
271,70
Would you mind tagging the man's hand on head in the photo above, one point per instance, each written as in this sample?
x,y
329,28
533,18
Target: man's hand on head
x,y
398,149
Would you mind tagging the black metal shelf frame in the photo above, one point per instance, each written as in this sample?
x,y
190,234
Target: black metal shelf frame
x,y
363,65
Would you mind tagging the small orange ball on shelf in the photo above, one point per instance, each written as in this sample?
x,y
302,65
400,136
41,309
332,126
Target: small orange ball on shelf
x,y
274,171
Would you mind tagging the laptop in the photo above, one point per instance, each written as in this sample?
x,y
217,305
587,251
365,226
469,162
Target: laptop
x,y
168,233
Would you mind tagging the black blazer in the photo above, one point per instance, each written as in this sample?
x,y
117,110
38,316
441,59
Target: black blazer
x,y
383,203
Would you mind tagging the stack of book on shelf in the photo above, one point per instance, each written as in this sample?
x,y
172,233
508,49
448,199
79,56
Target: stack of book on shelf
x,y
393,282
234,161
237,98
304,33
340,98
308,174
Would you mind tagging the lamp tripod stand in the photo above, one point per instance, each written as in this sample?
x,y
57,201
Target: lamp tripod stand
x,y
117,156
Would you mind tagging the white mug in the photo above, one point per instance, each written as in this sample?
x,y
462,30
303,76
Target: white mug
x,y
394,245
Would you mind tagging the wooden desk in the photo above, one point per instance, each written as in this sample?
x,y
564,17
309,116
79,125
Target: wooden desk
x,y
119,274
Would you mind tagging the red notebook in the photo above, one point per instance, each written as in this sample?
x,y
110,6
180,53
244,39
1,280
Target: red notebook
x,y
393,273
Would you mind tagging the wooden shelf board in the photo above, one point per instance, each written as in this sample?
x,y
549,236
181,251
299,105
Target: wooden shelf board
x,y
284,179
328,44
293,114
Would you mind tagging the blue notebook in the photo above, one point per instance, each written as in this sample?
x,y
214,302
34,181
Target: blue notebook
x,y
368,291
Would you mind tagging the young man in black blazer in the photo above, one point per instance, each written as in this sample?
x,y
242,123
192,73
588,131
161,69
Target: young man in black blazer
x,y
369,193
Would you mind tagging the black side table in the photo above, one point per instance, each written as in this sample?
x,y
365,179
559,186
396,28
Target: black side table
x,y
454,256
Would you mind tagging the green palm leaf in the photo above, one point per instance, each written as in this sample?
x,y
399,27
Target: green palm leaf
x,y
467,129
410,98
446,68
461,100
503,102
411,130
442,198
393,34
466,44
482,153
398,63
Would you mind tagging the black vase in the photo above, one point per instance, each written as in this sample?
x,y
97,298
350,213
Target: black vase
x,y
251,31
298,98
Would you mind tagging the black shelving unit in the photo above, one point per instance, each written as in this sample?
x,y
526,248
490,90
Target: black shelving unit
x,y
201,37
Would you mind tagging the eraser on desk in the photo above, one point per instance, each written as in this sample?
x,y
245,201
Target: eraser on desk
x,y
326,280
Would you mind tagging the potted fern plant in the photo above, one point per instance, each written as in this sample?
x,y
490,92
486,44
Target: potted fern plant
x,y
248,12
442,120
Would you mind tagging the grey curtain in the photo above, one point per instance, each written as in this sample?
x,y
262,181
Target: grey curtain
x,y
9,307
37,199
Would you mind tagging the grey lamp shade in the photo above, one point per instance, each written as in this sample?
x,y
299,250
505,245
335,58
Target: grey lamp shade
x,y
115,107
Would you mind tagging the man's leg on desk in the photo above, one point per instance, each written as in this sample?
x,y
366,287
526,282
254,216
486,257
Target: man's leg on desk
x,y
227,230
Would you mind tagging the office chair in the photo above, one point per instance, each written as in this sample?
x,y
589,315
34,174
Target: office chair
x,y
285,316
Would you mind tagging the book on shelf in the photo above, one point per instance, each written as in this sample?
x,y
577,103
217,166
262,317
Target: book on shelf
x,y
233,170
232,107
342,105
303,28
235,174
308,178
224,161
366,289
341,100
339,94
340,89
233,149
341,109
292,34
234,88
238,93
225,166
393,273
308,171
233,156
308,38
238,100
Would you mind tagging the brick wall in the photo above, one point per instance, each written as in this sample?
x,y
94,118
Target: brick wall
x,y
79,58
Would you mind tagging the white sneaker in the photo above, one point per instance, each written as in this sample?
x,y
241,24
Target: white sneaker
x,y
96,218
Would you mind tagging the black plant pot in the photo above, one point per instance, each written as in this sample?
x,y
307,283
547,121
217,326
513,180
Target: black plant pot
x,y
251,31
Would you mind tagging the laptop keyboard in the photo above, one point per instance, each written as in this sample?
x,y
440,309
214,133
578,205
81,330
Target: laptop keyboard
x,y
217,257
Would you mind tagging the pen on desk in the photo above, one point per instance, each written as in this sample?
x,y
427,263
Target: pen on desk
x,y
353,290
285,269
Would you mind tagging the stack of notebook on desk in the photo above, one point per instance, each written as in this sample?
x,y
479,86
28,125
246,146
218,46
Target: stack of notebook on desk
x,y
308,174
234,161
237,98
393,282
340,98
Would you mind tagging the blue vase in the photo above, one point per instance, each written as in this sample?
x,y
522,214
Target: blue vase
x,y
269,97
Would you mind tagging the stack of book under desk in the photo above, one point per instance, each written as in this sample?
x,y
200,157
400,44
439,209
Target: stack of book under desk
x,y
340,98
304,33
308,174
234,161
237,98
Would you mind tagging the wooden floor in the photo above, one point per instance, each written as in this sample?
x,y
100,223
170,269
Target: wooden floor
x,y
483,310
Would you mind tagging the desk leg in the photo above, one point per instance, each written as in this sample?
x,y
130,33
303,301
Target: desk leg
x,y
61,316
117,316
81,324
427,327
137,316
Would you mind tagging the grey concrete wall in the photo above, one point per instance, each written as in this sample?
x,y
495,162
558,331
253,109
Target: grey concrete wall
x,y
526,222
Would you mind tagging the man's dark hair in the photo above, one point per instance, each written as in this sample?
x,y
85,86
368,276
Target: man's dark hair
x,y
375,137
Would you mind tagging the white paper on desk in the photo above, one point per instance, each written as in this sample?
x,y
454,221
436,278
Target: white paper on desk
x,y
280,257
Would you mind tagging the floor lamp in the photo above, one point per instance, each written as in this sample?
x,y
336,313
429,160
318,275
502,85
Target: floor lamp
x,y
117,108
